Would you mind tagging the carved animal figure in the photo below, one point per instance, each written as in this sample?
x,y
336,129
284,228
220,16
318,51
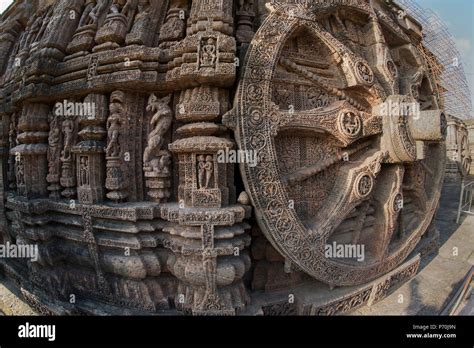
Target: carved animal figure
x,y
160,124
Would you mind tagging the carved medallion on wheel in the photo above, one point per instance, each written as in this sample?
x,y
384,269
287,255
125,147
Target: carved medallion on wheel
x,y
332,167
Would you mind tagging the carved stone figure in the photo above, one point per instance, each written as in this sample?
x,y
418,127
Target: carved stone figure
x,y
84,170
142,18
160,124
121,6
68,131
208,53
54,155
113,131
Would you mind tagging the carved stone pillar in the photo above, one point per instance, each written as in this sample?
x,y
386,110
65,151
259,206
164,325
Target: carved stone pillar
x,y
206,193
31,165
89,152
245,17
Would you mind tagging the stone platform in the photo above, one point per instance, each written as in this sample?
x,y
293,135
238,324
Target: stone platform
x,y
435,278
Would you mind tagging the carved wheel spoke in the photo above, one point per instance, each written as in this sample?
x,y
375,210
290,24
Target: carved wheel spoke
x,y
389,198
357,183
331,167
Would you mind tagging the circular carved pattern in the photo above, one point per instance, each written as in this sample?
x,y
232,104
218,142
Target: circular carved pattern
x,y
258,141
274,208
257,73
364,72
350,124
392,68
303,246
363,185
397,202
270,189
285,223
256,117
255,92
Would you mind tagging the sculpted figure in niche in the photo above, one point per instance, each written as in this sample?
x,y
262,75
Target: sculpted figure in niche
x,y
45,22
142,23
84,170
209,167
20,173
205,169
160,123
12,132
208,53
113,126
122,6
246,5
201,170
53,142
34,29
86,14
142,17
92,12
68,131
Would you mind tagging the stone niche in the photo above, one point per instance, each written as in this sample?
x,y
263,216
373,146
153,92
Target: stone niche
x,y
124,190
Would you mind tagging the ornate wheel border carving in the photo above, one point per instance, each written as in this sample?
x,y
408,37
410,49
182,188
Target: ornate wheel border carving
x,y
279,222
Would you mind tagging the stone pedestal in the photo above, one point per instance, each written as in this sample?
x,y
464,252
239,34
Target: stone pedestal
x,y
115,180
90,159
31,165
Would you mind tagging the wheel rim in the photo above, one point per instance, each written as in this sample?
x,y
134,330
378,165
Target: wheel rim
x,y
346,124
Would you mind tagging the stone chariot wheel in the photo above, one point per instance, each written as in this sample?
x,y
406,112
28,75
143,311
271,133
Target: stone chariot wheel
x,y
350,141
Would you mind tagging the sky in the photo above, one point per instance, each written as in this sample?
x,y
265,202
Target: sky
x,y
4,4
458,15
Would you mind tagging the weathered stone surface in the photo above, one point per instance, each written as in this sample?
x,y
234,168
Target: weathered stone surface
x,y
124,124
